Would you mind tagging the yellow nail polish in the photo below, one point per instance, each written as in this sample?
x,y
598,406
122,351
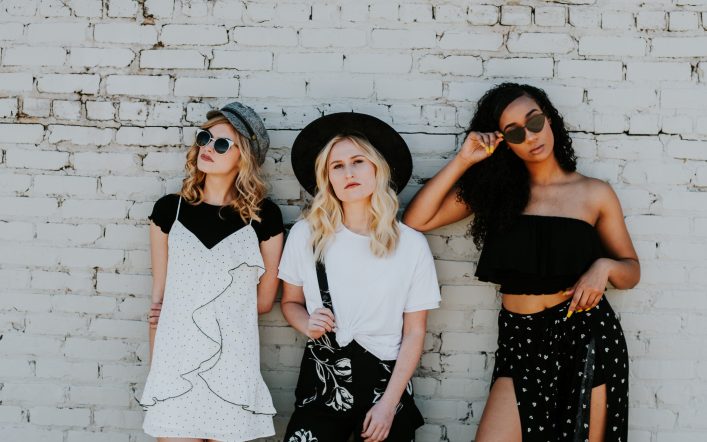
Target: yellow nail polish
x,y
569,313
580,311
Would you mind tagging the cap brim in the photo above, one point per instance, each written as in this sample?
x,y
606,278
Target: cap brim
x,y
312,139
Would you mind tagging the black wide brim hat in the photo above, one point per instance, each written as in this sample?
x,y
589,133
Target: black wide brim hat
x,y
315,136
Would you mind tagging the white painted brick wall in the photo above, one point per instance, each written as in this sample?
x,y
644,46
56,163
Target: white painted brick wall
x,y
98,98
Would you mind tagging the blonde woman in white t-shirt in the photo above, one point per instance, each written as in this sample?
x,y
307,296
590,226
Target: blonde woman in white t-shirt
x,y
358,283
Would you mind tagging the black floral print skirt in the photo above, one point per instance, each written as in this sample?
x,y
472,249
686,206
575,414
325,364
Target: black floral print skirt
x,y
336,388
555,362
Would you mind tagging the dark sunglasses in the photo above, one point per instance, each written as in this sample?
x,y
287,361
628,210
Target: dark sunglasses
x,y
221,145
516,134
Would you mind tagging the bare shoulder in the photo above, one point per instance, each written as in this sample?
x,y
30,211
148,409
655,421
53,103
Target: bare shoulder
x,y
601,197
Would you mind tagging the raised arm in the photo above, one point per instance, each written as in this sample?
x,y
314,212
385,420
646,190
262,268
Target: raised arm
x,y
158,256
271,250
436,204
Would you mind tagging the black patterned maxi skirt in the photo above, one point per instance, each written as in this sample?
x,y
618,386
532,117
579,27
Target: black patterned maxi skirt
x,y
555,362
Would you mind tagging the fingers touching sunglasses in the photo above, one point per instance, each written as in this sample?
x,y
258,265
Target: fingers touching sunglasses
x,y
221,145
516,134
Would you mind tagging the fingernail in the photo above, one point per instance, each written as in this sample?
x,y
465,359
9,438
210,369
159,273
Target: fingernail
x,y
580,311
569,313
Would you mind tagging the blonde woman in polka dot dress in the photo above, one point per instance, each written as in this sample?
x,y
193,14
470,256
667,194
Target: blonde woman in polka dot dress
x,y
215,250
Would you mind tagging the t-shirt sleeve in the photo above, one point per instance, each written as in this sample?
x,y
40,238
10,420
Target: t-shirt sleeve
x,y
424,290
270,221
295,255
164,212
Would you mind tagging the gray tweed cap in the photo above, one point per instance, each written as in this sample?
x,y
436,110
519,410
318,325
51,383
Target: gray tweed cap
x,y
249,124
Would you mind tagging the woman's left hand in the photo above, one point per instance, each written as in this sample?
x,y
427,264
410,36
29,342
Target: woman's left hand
x,y
587,292
378,421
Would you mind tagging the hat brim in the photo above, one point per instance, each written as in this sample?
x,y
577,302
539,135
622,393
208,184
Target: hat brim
x,y
315,136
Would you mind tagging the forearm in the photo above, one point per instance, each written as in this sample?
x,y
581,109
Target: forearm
x,y
267,291
157,293
296,315
408,358
428,201
153,330
624,273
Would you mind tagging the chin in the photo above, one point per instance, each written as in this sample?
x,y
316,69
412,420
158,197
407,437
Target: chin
x,y
354,197
205,167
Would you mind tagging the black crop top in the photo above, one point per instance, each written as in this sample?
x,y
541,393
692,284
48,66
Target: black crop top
x,y
539,254
210,224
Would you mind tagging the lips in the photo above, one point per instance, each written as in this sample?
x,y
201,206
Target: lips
x,y
205,157
537,150
350,185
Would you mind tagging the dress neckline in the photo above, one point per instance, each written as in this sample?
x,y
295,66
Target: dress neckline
x,y
568,218
210,249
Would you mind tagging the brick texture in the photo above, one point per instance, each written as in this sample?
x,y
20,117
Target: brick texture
x,y
99,98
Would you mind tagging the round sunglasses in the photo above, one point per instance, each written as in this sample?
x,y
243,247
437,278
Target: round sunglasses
x,y
221,145
516,134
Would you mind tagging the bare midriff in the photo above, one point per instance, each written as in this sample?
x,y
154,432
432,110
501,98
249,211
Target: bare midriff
x,y
527,304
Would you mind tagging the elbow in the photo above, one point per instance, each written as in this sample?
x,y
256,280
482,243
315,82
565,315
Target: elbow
x,y
265,307
413,224
631,279
636,275
408,221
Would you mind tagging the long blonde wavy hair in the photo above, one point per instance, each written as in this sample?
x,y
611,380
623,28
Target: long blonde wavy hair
x,y
249,186
325,215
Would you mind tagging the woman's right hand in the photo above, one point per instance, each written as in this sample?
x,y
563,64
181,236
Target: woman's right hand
x,y
478,146
154,316
320,322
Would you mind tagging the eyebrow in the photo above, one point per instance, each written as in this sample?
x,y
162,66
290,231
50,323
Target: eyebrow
x,y
352,157
526,116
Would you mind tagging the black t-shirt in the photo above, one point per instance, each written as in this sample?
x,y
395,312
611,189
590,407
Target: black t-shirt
x,y
210,224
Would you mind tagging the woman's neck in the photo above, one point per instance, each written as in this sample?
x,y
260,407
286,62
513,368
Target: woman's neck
x,y
357,217
218,190
546,172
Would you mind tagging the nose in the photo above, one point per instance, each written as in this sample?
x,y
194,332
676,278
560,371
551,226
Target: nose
x,y
349,171
530,136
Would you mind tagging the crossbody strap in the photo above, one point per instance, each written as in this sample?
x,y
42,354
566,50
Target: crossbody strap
x,y
324,285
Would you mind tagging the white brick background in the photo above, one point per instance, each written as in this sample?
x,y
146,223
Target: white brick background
x,y
99,97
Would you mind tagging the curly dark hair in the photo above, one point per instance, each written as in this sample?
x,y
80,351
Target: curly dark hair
x,y
497,189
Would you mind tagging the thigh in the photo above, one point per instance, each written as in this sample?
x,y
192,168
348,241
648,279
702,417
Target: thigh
x,y
312,426
500,421
597,414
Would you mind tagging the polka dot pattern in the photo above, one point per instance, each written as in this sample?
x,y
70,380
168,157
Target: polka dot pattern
x,y
555,362
205,379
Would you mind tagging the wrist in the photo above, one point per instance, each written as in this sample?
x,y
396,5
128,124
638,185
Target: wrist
x,y
607,265
462,162
388,401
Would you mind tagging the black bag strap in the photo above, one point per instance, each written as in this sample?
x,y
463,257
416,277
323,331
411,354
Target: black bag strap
x,y
324,285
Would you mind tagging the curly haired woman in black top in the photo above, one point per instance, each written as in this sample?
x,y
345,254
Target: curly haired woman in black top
x,y
561,368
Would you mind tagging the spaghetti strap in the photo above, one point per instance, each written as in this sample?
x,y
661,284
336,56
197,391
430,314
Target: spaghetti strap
x,y
179,205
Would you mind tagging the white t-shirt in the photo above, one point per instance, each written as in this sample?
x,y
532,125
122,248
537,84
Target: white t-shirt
x,y
369,294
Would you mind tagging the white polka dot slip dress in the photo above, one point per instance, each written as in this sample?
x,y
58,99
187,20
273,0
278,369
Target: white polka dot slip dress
x,y
204,379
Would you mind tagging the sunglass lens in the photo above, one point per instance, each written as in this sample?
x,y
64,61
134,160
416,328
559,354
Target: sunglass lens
x,y
202,138
536,123
515,135
221,145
